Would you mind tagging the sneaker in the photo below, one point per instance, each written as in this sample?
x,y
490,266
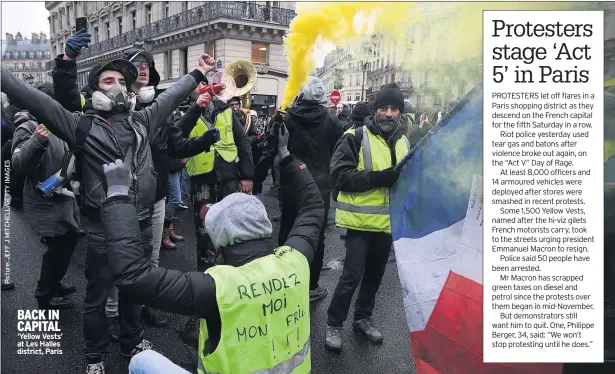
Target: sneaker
x,y
96,364
333,340
318,294
143,346
114,328
366,327
181,205
97,368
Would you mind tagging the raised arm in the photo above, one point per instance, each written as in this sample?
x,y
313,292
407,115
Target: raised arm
x,y
28,148
188,293
156,113
60,122
65,72
65,84
296,181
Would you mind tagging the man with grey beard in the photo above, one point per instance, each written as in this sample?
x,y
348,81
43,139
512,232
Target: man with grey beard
x,y
362,171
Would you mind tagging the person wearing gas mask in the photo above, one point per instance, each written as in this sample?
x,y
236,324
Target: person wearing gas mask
x,y
241,231
363,209
166,142
102,134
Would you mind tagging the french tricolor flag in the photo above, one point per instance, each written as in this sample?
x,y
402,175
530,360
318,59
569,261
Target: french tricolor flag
x,y
437,219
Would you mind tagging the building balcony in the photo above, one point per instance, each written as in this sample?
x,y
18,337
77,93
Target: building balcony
x,y
231,9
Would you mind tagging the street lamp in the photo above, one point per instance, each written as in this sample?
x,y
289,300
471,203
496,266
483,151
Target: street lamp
x,y
368,49
363,80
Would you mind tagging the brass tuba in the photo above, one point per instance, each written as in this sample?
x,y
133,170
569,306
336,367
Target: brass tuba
x,y
244,73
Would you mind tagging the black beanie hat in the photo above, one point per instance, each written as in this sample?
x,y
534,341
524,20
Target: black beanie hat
x,y
359,113
389,94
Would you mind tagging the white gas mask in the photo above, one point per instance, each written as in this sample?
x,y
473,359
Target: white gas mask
x,y
115,99
146,94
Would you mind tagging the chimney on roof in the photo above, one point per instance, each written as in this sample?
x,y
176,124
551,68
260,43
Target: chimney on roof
x,y
34,38
42,37
18,37
9,38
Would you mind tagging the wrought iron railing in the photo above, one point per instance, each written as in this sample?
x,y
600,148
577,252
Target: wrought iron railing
x,y
192,17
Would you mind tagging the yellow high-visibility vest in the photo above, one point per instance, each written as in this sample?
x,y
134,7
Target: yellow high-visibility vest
x,y
265,312
369,210
204,162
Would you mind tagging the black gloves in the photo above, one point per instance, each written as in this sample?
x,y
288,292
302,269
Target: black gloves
x,y
384,178
210,137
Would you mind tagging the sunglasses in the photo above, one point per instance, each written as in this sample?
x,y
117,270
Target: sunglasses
x,y
143,64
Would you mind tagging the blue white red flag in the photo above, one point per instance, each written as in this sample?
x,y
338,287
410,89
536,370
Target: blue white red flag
x,y
437,219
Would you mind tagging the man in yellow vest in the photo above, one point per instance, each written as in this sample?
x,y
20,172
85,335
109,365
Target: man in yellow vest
x,y
260,292
225,169
362,172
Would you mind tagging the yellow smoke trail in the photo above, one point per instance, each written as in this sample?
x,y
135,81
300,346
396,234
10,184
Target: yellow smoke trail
x,y
334,22
422,34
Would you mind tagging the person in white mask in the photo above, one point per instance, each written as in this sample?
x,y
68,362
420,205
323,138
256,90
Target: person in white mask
x,y
104,132
165,143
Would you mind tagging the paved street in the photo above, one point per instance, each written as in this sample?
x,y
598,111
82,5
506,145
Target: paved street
x,y
357,356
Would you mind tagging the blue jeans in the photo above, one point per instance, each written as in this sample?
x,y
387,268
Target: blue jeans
x,y
152,362
185,185
174,197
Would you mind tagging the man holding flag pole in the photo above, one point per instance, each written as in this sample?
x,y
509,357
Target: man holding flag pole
x,y
362,170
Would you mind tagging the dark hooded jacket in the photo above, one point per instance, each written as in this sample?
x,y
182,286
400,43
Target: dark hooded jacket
x,y
109,138
166,143
345,159
47,216
313,132
194,293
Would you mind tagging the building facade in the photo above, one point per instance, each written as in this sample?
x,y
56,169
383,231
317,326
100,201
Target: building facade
x,y
346,74
383,63
26,58
176,32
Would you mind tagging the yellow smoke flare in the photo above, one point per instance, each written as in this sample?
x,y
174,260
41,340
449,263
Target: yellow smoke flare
x,y
422,34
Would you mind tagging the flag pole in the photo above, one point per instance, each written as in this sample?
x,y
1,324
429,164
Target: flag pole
x,y
443,121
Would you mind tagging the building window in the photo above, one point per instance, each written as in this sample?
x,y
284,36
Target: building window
x,y
168,61
212,49
357,97
259,53
119,25
349,97
108,29
166,9
184,6
134,19
148,12
95,34
61,48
